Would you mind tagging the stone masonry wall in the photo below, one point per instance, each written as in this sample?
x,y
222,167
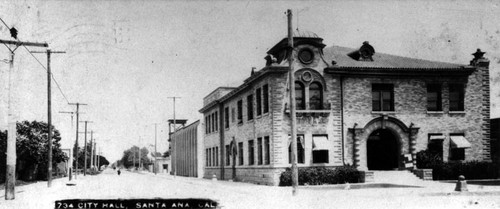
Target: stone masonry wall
x,y
410,107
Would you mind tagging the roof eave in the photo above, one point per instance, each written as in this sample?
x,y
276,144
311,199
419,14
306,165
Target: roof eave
x,y
344,70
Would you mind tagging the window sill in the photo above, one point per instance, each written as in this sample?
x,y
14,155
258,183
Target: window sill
x,y
456,112
435,112
383,112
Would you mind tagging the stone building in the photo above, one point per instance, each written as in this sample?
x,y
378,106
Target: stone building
x,y
186,143
495,139
354,107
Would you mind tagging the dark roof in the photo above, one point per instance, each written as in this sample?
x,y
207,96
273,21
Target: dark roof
x,y
380,60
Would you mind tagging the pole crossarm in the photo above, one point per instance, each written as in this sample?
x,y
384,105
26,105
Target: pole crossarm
x,y
23,43
52,52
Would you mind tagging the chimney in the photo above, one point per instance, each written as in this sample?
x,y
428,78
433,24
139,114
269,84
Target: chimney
x,y
479,60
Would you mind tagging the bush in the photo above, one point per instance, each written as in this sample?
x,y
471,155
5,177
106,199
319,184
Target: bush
x,y
451,170
471,170
427,159
321,175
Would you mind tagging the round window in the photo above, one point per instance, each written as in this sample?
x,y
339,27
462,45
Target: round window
x,y
306,76
306,56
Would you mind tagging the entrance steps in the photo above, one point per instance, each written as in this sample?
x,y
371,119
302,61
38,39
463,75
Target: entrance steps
x,y
395,177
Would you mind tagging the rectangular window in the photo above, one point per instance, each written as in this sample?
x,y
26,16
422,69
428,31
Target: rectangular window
x,y
265,98
216,156
259,151
213,156
435,145
382,97
434,97
250,152
228,159
216,121
206,158
258,97
226,117
240,153
456,97
233,115
209,157
300,149
240,111
250,107
267,149
320,148
456,153
209,123
206,125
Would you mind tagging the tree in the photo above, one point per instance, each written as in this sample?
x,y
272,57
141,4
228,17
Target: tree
x,y
127,159
156,154
32,149
166,154
3,154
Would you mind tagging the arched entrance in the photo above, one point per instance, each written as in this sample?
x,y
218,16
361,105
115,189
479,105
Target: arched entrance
x,y
382,150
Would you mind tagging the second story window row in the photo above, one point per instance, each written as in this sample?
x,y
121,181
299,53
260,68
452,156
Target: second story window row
x,y
383,97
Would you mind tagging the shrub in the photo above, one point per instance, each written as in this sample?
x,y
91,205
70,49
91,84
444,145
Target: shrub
x,y
470,169
321,175
427,159
451,170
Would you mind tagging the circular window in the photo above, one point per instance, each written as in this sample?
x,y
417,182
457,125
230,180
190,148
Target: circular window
x,y
306,56
306,76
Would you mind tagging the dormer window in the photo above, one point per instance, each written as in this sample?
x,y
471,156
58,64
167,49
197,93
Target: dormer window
x,y
365,53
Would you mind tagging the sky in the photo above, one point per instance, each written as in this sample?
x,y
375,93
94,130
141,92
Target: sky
x,y
126,58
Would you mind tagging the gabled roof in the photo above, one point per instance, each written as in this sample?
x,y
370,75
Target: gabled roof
x,y
380,60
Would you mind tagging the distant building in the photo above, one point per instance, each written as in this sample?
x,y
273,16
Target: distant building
x,y
186,144
354,107
495,139
161,164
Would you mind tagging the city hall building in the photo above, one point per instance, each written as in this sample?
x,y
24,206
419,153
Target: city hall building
x,y
353,107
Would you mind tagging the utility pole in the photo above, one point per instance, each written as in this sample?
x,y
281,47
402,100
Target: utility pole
x,y
10,171
71,157
85,148
293,122
91,150
49,113
99,158
175,148
154,157
135,153
76,141
95,155
140,166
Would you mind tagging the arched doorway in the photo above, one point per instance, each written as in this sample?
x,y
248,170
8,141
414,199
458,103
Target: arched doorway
x,y
382,149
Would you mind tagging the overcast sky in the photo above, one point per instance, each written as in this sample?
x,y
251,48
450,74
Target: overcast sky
x,y
125,58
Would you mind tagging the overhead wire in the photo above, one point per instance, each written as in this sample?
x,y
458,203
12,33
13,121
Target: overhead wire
x,y
51,75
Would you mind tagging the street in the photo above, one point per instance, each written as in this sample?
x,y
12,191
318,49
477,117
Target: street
x,y
108,185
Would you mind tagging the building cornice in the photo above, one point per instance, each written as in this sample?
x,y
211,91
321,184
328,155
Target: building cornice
x,y
386,71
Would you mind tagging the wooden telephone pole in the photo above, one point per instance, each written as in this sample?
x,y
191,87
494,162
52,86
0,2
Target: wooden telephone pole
x,y
175,130
49,113
293,121
85,148
76,140
10,177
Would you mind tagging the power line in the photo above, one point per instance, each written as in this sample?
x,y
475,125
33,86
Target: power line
x,y
52,75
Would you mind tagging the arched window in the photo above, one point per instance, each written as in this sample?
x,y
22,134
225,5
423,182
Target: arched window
x,y
299,96
315,96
